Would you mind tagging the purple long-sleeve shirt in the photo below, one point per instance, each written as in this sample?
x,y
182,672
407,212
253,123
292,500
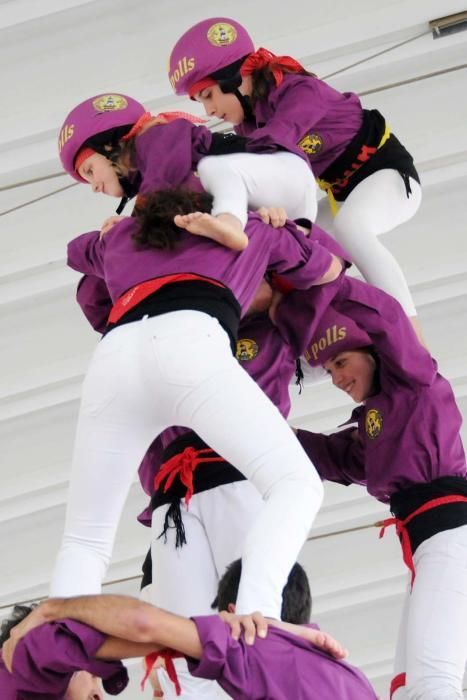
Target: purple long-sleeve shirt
x,y
409,431
279,667
306,116
122,265
48,656
166,155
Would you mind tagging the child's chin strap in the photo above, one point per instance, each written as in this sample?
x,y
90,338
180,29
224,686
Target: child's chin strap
x,y
123,202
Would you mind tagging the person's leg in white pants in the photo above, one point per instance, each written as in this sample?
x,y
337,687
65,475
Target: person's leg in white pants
x,y
185,579
177,369
436,620
377,205
247,181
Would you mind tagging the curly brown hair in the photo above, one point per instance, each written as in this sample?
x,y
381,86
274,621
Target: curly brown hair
x,y
155,214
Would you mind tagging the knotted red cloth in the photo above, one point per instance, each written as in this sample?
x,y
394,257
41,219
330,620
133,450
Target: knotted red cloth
x,y
402,532
263,58
396,683
161,118
168,655
184,464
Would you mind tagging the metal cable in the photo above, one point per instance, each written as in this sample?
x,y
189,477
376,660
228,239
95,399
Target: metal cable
x,y
137,577
32,181
375,55
37,199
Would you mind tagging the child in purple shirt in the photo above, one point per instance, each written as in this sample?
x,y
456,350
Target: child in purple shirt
x,y
274,101
112,143
408,452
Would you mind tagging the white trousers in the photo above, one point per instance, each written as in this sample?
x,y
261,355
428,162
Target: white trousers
x,y
432,644
178,369
377,205
185,580
243,181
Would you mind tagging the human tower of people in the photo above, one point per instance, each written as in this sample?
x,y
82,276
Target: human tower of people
x,y
209,297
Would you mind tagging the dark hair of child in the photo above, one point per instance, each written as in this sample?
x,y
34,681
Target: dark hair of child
x,y
296,595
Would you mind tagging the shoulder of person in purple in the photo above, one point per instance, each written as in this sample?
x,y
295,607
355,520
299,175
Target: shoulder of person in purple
x,y
166,154
299,314
47,657
263,669
404,360
300,258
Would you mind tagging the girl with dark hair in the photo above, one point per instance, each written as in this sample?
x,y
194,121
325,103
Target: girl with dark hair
x,y
275,102
408,452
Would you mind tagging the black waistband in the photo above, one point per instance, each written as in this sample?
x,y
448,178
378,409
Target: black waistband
x,y
391,155
206,476
429,523
195,295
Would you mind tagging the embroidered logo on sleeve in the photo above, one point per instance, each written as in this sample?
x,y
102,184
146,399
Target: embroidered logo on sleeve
x,y
109,103
247,350
222,34
373,423
311,144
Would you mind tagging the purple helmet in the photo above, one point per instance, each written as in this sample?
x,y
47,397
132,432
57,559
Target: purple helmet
x,y
334,334
91,117
205,48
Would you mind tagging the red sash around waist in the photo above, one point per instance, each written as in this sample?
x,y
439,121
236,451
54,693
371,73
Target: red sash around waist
x,y
133,296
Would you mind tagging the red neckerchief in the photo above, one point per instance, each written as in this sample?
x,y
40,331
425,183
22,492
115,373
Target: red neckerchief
x,y
161,118
263,58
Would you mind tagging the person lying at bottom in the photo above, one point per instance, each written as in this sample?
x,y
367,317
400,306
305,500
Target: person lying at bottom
x,y
100,629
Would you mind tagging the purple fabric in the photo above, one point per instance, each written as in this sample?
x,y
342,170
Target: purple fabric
x,y
93,297
305,106
280,667
410,429
285,250
47,657
167,154
207,46
334,334
299,312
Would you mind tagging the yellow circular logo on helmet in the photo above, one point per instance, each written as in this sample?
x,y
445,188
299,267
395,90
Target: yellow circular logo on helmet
x,y
109,103
311,144
373,423
247,349
222,34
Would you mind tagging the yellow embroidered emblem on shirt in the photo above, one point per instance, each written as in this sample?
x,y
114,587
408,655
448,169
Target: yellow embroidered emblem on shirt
x,y
311,144
373,423
247,349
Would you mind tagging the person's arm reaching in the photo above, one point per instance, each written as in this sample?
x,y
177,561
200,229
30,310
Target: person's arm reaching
x,y
117,616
